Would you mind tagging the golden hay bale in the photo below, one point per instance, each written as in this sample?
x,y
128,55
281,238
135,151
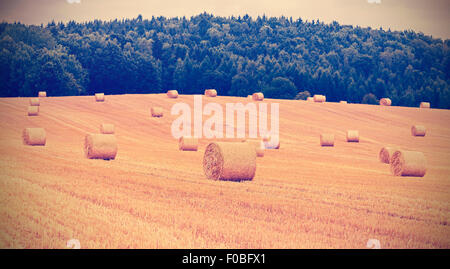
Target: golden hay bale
x,y
408,163
319,98
385,102
172,94
107,128
42,94
33,110
100,146
311,99
424,105
343,102
327,140
229,161
352,136
34,102
157,111
257,144
99,97
211,93
188,143
258,96
386,154
34,136
418,130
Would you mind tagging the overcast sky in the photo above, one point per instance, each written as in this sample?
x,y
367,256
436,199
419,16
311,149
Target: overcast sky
x,y
428,16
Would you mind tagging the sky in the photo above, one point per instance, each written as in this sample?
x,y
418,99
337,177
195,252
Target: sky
x,y
432,17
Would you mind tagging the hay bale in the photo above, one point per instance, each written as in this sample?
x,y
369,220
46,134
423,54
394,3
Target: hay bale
x,y
34,102
186,143
100,146
172,94
210,93
33,110
107,128
157,111
327,140
310,99
343,102
99,97
386,154
34,136
408,163
318,98
385,102
258,96
418,130
257,144
424,105
271,142
229,161
42,94
352,136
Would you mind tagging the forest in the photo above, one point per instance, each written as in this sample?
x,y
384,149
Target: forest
x,y
283,57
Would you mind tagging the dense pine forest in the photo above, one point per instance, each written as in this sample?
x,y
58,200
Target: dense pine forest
x,y
282,57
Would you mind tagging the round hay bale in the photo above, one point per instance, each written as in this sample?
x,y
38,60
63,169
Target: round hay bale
x,y
318,98
107,128
310,99
229,161
385,102
33,110
99,97
418,130
408,163
211,93
424,105
343,102
34,102
157,111
271,142
34,136
352,136
172,94
386,154
257,144
250,97
100,146
42,94
258,96
327,140
186,143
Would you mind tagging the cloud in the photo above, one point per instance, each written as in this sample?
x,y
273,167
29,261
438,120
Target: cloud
x,y
374,1
73,1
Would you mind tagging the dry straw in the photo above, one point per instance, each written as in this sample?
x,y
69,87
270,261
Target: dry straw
x,y
257,144
352,136
343,102
33,110
186,143
327,140
34,102
157,111
100,146
424,105
34,136
418,130
42,94
318,98
386,154
385,102
229,161
172,94
258,96
99,97
107,128
408,163
210,93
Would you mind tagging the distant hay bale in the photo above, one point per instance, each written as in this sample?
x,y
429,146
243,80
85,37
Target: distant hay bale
x,y
327,140
310,99
385,102
352,136
210,93
107,128
99,97
418,130
172,94
34,136
257,144
42,94
186,143
408,163
343,102
229,161
424,105
100,146
386,154
34,102
258,96
318,98
250,97
33,110
157,111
